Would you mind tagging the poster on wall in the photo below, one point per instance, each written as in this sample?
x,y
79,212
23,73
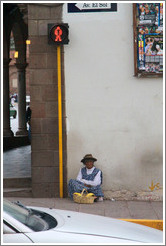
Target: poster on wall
x,y
149,25
148,13
161,14
153,50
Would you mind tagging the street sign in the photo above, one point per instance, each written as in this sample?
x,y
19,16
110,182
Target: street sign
x,y
58,33
91,7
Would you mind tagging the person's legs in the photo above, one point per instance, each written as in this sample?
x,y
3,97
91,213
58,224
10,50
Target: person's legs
x,y
29,134
97,191
75,186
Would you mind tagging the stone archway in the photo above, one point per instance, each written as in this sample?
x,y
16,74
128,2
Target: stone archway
x,y
6,60
43,91
14,22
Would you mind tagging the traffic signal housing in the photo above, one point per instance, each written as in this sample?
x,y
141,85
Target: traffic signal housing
x,y
58,34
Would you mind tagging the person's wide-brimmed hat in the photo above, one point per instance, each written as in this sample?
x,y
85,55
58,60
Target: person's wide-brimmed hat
x,y
88,157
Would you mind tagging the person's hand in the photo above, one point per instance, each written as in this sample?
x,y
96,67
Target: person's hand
x,y
83,181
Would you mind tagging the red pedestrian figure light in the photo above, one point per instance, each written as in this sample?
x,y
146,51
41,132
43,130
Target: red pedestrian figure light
x,y
58,33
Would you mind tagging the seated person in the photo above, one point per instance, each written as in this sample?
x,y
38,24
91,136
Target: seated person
x,y
89,177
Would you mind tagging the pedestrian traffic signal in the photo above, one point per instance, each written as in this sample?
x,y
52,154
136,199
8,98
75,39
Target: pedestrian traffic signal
x,y
58,33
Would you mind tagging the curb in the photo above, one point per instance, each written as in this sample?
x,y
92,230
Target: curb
x,y
157,224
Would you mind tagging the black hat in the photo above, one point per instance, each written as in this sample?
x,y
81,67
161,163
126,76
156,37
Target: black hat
x,y
88,157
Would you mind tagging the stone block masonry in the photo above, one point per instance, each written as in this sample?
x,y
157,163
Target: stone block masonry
x,y
44,102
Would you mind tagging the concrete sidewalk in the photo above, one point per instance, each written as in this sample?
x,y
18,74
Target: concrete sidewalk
x,y
150,210
17,164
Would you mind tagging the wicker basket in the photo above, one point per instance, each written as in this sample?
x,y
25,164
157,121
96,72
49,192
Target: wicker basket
x,y
83,198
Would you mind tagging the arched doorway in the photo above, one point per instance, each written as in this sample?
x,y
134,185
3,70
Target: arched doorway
x,y
43,92
15,28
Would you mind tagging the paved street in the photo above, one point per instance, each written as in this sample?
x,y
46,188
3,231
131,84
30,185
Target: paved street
x,y
17,162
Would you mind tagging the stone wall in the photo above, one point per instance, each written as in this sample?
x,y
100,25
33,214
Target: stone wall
x,y
44,102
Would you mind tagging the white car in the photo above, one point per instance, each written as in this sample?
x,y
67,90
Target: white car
x,y
45,225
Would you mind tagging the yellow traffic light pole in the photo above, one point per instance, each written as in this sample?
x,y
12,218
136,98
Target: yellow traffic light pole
x,y
60,121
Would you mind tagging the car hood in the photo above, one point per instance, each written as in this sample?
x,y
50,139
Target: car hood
x,y
82,223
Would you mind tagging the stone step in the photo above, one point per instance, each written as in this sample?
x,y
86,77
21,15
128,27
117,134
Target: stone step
x,y
17,192
15,142
17,182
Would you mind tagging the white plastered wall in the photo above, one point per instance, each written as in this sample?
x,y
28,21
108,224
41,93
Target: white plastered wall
x,y
110,113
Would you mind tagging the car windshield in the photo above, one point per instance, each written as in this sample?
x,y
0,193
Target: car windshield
x,y
35,220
